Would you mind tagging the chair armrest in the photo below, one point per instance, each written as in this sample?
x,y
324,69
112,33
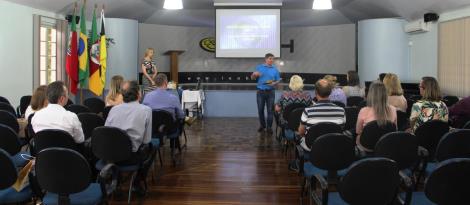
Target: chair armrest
x,y
108,179
408,188
324,188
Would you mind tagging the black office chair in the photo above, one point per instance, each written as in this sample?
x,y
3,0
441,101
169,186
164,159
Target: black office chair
x,y
351,119
447,184
293,123
369,181
402,121
401,147
66,176
106,112
77,109
53,138
112,145
320,129
9,120
284,118
8,108
69,102
24,103
430,133
330,156
10,142
8,177
450,100
354,101
4,100
96,105
89,122
338,103
372,132
163,125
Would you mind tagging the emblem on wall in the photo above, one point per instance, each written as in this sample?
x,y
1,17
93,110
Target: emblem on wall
x,y
208,44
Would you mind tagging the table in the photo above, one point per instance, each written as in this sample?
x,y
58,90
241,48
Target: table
x,y
193,100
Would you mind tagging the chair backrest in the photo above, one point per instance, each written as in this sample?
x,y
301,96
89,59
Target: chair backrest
x,y
288,109
4,100
7,107
332,152
9,140
111,144
162,123
354,101
24,103
62,171
77,109
401,147
9,120
370,181
430,133
69,102
450,100
338,103
320,129
293,120
89,122
454,144
8,174
96,105
351,117
402,120
372,132
106,112
448,183
53,138
29,127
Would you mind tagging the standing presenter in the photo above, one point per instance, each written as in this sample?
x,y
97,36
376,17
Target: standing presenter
x,y
267,77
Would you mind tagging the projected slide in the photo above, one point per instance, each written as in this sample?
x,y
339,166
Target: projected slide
x,y
247,33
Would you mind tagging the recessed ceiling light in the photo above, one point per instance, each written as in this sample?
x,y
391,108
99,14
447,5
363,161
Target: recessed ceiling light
x,y
173,4
321,4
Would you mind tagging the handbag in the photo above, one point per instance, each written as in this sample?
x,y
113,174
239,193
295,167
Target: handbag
x,y
23,177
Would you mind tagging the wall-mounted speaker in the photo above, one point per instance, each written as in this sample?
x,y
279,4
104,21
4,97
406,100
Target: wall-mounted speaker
x,y
428,17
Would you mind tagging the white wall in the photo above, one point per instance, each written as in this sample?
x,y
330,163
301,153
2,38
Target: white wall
x,y
16,49
424,48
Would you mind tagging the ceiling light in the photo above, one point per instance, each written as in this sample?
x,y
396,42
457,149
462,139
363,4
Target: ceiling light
x,y
321,4
173,4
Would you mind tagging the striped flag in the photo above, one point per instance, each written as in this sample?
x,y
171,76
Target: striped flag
x,y
71,62
83,50
95,80
103,51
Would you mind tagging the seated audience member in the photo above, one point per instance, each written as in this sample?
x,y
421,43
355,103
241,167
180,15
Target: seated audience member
x,y
337,93
161,99
38,101
135,119
395,92
377,109
54,116
322,111
114,96
295,95
460,112
430,107
353,88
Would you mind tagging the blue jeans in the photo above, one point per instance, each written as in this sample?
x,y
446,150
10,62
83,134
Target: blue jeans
x,y
265,97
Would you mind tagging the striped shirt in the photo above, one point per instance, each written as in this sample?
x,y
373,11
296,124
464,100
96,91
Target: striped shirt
x,y
323,111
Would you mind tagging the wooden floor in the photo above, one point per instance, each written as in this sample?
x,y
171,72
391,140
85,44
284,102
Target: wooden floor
x,y
226,162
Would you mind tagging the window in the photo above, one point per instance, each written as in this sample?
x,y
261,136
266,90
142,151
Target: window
x,y
47,54
49,50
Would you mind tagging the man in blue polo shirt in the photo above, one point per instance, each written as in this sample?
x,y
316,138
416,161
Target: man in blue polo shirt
x,y
268,76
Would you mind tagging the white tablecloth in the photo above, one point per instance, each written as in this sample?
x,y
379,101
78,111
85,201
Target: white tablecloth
x,y
191,98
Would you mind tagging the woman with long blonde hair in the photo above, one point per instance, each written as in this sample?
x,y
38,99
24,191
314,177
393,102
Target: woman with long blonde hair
x,y
114,96
149,69
377,109
395,92
38,101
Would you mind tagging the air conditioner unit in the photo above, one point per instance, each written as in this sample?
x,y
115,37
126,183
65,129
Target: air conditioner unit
x,y
417,27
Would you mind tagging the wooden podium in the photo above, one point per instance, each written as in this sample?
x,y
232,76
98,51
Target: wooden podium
x,y
174,63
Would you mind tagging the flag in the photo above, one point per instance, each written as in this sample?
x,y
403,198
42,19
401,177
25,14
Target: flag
x,y
103,52
83,50
71,62
95,80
